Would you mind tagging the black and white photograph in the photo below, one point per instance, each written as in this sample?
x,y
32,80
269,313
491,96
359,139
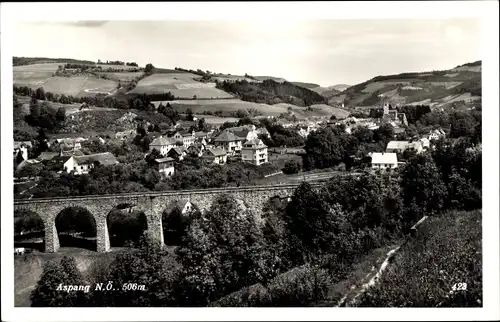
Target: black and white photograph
x,y
237,155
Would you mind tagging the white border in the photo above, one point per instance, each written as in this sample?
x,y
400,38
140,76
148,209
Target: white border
x,y
487,11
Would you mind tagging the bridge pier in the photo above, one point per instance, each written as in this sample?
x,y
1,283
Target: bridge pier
x,y
155,227
103,244
51,238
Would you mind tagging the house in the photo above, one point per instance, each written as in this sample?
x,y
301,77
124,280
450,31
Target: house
x,y
165,167
177,153
246,132
184,206
196,149
254,152
217,156
426,144
384,160
417,146
22,147
436,134
162,144
228,142
83,164
187,138
397,146
200,135
70,143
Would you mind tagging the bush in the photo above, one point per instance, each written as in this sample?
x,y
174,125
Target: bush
x,y
291,167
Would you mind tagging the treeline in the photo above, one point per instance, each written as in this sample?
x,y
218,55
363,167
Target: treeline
x,y
117,62
133,101
271,92
19,61
45,116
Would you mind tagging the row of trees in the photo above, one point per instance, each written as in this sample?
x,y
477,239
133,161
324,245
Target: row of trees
x,y
271,92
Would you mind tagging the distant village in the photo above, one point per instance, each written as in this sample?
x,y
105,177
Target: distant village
x,y
237,144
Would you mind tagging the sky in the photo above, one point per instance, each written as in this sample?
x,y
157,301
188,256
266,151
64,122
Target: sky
x,y
324,52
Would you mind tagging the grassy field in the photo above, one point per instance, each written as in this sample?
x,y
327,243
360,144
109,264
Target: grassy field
x,y
210,119
33,75
104,66
233,105
446,251
437,89
182,85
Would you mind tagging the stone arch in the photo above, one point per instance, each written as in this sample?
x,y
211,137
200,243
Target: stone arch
x,y
29,230
76,227
175,218
125,224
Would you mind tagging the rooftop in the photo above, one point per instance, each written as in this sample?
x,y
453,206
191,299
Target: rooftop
x,y
106,158
227,136
162,160
215,152
397,144
384,158
163,141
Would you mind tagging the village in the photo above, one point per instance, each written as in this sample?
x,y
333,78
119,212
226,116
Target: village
x,y
243,144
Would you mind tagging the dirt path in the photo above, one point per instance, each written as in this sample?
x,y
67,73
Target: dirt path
x,y
351,298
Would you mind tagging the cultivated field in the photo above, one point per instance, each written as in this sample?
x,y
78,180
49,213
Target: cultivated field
x,y
182,85
33,75
233,78
233,105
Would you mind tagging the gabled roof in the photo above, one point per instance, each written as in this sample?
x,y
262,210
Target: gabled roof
x,y
163,141
384,158
398,144
162,160
254,144
200,134
214,152
227,136
106,158
177,150
45,156
241,133
18,144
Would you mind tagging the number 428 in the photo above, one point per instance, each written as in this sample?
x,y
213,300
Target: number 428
x,y
459,287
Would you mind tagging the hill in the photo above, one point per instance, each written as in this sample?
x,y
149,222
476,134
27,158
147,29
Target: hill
x,y
271,92
20,61
459,86
446,252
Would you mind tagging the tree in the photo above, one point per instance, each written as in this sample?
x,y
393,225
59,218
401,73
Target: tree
x,y
189,113
222,252
149,68
40,94
291,167
422,184
34,108
202,125
462,124
61,114
323,149
50,292
150,266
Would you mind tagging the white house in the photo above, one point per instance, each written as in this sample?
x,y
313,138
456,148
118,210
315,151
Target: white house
x,y
186,138
22,147
384,160
426,144
162,144
83,164
397,146
436,134
165,167
254,152
229,142
246,132
217,156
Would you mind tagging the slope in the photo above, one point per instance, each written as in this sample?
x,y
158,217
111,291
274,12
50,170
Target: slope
x,y
439,89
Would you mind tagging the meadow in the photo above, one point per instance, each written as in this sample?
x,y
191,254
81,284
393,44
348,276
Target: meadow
x,y
181,84
233,105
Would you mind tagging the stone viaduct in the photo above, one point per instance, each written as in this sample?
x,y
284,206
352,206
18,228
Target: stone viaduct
x,y
151,203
